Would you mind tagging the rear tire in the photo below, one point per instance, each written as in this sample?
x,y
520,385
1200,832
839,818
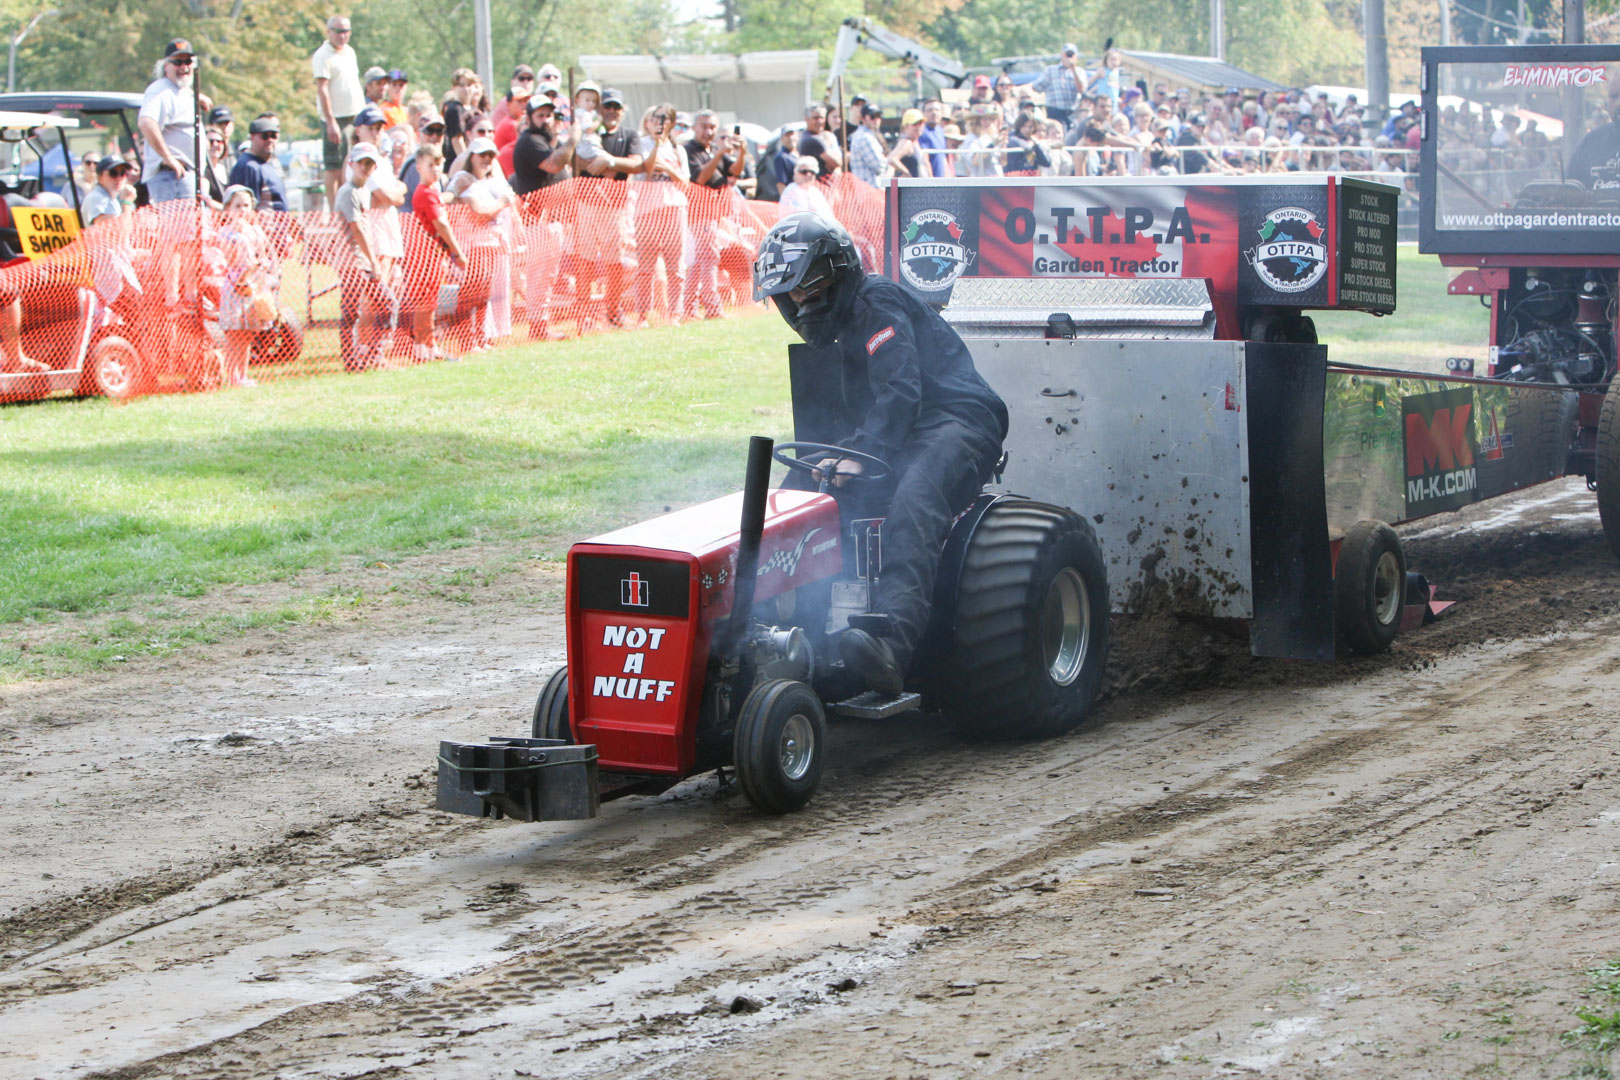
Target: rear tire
x,y
1031,636
1608,468
1542,423
1369,587
780,745
551,710
114,369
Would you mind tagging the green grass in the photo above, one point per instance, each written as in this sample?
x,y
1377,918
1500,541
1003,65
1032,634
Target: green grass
x,y
1428,325
1599,1034
111,513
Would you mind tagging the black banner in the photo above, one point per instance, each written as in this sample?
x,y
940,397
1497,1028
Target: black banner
x,y
633,586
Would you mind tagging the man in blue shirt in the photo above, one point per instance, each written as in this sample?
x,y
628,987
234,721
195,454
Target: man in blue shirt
x,y
257,169
932,137
1062,83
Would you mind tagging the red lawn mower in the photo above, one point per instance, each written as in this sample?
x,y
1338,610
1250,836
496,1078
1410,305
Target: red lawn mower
x,y
707,638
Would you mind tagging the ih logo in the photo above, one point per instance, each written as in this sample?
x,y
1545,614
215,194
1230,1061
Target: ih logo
x,y
633,590
1441,448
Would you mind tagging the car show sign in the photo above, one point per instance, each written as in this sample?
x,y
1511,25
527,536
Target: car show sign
x,y
44,229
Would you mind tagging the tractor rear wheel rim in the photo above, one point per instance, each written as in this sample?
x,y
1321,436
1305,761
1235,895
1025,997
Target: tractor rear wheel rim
x,y
1066,626
1386,588
797,747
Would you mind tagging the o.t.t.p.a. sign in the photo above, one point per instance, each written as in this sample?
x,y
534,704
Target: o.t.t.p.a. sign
x,y
44,229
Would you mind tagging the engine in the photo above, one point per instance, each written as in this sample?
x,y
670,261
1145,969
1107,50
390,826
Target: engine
x,y
1556,325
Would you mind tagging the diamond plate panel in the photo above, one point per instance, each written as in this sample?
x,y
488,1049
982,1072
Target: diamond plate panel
x,y
1060,294
1141,309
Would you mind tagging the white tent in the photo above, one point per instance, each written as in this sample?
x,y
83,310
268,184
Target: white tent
x,y
768,88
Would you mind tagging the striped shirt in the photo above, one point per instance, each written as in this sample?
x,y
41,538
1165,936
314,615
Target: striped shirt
x,y
866,155
1060,85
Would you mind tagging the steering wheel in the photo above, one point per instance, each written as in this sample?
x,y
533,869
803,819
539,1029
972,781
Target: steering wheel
x,y
809,454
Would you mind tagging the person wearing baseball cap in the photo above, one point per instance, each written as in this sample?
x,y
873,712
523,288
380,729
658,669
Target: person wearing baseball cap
x,y
222,121
165,120
539,155
548,75
429,132
256,167
368,125
375,84
113,193
1061,83
392,104
338,97
364,295
523,73
981,90
481,188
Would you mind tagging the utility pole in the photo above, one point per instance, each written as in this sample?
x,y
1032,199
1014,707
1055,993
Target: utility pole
x,y
1372,28
1574,22
16,40
1574,99
483,53
1217,29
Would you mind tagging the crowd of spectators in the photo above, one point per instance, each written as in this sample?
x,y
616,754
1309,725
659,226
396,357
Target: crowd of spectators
x,y
444,182
448,181
1069,121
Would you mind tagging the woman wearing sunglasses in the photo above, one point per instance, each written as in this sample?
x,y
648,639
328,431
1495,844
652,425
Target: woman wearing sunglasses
x,y
804,194
485,197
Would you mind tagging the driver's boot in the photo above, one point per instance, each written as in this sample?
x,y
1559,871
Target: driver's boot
x,y
873,660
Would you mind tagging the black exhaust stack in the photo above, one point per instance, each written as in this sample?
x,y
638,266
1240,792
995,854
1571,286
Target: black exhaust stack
x,y
755,486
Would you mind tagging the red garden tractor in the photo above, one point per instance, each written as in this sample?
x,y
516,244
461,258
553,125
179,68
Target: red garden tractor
x,y
707,638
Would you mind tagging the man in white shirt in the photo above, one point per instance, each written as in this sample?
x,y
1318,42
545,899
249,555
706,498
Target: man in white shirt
x,y
338,97
167,119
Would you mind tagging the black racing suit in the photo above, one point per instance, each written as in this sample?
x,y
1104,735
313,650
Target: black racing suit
x,y
914,399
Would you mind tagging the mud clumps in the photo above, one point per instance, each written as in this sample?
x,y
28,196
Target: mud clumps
x,y
1165,644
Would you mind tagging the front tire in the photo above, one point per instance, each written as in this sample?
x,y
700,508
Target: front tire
x,y
780,745
1369,587
115,369
1031,635
551,710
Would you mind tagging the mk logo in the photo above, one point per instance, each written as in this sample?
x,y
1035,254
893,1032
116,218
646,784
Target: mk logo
x,y
1440,444
633,590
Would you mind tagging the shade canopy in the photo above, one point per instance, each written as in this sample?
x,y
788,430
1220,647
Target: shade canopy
x,y
767,88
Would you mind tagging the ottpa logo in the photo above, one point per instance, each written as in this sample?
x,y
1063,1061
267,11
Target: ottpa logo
x,y
932,254
633,590
1291,256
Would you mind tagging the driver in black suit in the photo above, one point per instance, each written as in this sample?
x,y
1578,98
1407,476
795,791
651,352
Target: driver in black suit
x,y
927,412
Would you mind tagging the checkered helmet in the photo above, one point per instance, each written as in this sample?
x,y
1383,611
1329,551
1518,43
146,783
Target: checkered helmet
x,y
799,251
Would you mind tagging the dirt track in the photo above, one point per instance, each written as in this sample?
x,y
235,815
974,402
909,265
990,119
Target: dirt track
x,y
226,865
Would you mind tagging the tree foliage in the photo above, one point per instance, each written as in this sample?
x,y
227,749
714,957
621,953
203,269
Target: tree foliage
x,y
1291,41
255,53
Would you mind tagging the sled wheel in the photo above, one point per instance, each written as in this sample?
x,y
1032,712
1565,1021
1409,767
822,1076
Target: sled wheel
x,y
1369,587
115,369
551,711
1608,469
780,745
1031,635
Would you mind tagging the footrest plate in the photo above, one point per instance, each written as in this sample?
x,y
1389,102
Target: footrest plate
x,y
875,706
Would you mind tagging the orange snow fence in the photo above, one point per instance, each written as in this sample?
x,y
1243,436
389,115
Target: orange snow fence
x,y
177,297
